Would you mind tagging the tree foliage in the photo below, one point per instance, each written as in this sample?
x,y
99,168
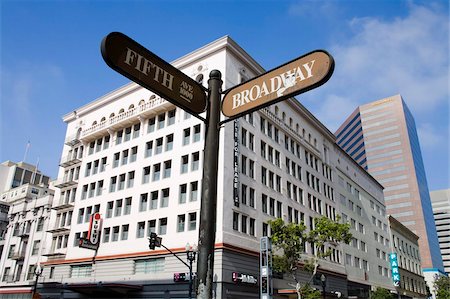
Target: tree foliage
x,y
289,241
442,287
381,293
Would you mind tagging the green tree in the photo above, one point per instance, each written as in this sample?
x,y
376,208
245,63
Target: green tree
x,y
289,241
442,287
381,293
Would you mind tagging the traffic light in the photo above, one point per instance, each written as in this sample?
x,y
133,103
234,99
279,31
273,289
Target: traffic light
x,y
152,240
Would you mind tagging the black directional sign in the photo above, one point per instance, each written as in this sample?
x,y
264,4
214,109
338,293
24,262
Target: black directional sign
x,y
138,64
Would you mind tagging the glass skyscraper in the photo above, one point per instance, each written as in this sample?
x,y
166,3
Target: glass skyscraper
x,y
381,136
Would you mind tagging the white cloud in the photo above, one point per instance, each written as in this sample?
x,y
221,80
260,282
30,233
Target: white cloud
x,y
407,56
430,137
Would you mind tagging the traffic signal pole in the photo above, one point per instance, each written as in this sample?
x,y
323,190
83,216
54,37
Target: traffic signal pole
x,y
207,229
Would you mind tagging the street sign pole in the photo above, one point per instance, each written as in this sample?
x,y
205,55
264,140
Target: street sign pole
x,y
207,230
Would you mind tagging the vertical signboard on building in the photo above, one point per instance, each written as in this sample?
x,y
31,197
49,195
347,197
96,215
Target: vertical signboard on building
x,y
93,238
394,268
236,164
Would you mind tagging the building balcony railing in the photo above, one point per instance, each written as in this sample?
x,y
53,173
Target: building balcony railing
x,y
58,229
69,161
66,182
18,256
52,253
24,233
153,106
62,204
73,139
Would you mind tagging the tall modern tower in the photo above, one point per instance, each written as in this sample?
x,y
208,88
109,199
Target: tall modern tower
x,y
381,136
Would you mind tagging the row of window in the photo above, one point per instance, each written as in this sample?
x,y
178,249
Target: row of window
x,y
154,265
92,189
243,224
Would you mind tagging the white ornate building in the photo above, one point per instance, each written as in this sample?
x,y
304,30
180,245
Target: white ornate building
x,y
137,159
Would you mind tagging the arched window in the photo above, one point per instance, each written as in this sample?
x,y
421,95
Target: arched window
x,y
152,97
141,102
276,110
303,133
283,117
121,111
131,107
290,122
112,115
94,123
103,119
297,127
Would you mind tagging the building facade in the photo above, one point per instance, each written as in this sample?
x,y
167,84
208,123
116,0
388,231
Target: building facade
x,y
440,201
137,160
405,244
381,136
28,199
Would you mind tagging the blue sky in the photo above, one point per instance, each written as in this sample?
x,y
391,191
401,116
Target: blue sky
x,y
51,63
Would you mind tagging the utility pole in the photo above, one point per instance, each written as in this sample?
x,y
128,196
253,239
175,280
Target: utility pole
x,y
207,230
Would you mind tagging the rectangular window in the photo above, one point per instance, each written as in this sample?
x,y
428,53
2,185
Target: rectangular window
x,y
252,227
162,226
140,231
251,197
118,210
235,221
80,270
133,156
184,163
156,172
161,120
171,117
194,191
99,188
154,200
181,221
197,130
155,265
124,234
146,175
169,142
165,198
159,146
119,137
127,210
151,125
195,161
112,185
115,234
109,209
167,169
151,227
36,245
264,203
136,129
244,224
192,221
130,181
186,136
121,184
183,193
148,149
127,134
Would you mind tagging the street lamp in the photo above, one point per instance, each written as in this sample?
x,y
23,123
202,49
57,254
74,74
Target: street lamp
x,y
323,279
38,273
191,252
